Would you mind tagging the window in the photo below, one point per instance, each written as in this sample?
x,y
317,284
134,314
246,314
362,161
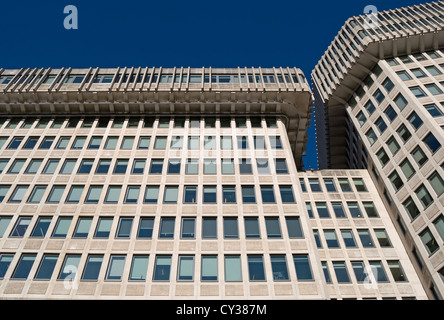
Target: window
x,y
209,268
193,143
151,194
160,143
433,110
230,228
138,166
176,143
355,212
379,96
371,136
24,266
62,227
429,241
78,143
69,267
120,166
424,196
341,272
111,143
185,268
192,166
417,72
359,185
173,166
227,166
256,268
273,228
139,268
113,194
407,168
361,118
404,133
263,166
124,228
82,228
359,270
95,142
5,261
115,268
370,107
393,145
338,209
251,228
248,194
415,120
366,238
315,186
18,193
36,194
170,195
411,208
209,228
188,228
322,210
370,209
190,194
279,267
92,267
30,143
330,185
349,240
228,194
331,239
382,156
167,228
404,75
3,191
16,166
245,166
144,143
275,142
437,183
317,238
259,143
232,268
156,166
302,266
383,238
344,184
132,194
85,166
20,227
226,143
432,143
210,143
381,125
210,166
419,156
46,268
397,271
127,143
145,228
400,101
41,227
267,194
164,122
209,194
242,142
433,89
417,91
103,228
74,194
287,195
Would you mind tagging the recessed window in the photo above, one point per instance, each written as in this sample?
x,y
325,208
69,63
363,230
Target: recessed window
x,y
381,125
251,228
371,136
411,208
233,270
267,193
429,241
113,194
366,239
433,89
400,101
432,143
145,228
417,91
315,186
230,227
359,184
170,195
245,166
151,194
209,228
46,267
404,75
404,133
383,238
361,118
62,227
417,72
209,194
160,143
344,184
390,113
192,166
162,268
370,107
379,96
124,228
82,228
349,240
273,228
419,156
393,145
433,110
382,156
396,180
156,166
256,268
302,266
103,228
437,183
354,209
248,194
228,194
24,266
407,168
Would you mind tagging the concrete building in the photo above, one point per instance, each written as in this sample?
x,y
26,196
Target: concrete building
x,y
379,105
182,183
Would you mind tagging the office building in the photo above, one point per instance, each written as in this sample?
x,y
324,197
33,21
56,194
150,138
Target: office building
x,y
379,105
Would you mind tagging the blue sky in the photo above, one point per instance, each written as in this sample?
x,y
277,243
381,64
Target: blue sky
x,y
195,33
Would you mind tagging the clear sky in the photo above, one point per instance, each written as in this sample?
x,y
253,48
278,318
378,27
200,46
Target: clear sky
x,y
168,33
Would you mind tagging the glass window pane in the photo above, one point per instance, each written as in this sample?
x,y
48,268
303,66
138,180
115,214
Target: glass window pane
x,y
145,228
294,227
41,227
209,228
46,267
186,268
139,268
267,193
103,227
230,228
341,272
209,268
273,228
56,194
37,194
62,227
188,228
162,268
69,268
20,227
24,266
93,195
248,194
74,194
113,194
233,268
124,228
256,268
251,228
18,194
303,268
151,194
132,194
287,195
115,268
171,193
82,228
366,238
92,267
331,239
167,228
4,223
209,194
